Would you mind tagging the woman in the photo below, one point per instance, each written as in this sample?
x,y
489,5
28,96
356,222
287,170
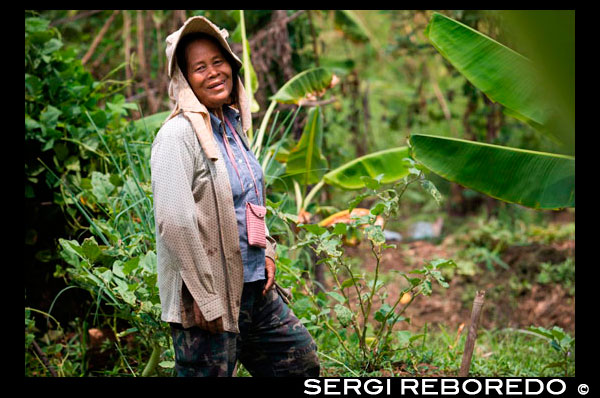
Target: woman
x,y
216,285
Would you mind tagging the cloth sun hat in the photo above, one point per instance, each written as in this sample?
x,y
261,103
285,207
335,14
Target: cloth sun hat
x,y
182,97
193,25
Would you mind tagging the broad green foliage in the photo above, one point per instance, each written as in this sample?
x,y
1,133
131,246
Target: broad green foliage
x,y
560,341
537,180
390,162
504,75
533,179
307,82
305,162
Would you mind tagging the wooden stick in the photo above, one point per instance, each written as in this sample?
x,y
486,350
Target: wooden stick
x,y
98,38
145,72
470,343
127,49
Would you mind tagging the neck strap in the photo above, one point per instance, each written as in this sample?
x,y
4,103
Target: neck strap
x,y
232,156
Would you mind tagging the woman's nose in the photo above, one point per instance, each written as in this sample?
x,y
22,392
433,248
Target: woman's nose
x,y
212,71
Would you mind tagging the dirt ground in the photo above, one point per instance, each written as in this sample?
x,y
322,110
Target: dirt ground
x,y
505,306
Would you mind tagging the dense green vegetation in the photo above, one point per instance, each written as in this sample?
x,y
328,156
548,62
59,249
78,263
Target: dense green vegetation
x,y
380,113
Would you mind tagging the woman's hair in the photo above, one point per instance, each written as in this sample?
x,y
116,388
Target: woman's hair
x,y
182,61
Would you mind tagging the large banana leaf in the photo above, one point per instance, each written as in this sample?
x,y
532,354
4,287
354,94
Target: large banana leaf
x,y
388,162
533,179
310,81
504,75
306,164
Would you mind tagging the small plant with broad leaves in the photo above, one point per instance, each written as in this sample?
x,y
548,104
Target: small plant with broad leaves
x,y
363,321
559,340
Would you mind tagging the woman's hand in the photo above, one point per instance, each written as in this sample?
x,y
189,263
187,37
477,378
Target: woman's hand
x,y
270,269
214,326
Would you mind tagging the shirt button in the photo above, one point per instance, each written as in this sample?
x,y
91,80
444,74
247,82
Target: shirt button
x,y
250,185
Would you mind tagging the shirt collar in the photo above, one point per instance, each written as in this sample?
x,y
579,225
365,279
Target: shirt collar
x,y
228,112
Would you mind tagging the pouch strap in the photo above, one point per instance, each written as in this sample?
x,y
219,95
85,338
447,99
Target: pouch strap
x,y
232,157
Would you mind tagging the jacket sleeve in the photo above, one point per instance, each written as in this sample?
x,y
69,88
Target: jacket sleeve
x,y
172,167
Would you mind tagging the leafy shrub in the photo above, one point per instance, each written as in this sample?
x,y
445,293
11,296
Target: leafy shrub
x,y
354,312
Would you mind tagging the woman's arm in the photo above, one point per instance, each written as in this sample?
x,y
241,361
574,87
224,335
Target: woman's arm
x,y
172,168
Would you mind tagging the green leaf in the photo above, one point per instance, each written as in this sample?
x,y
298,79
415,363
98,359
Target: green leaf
x,y
33,85
306,82
533,179
101,186
31,124
383,311
148,262
433,191
49,116
130,265
388,162
117,269
313,228
35,24
375,234
51,46
504,75
167,364
340,228
442,263
90,249
100,119
337,296
71,251
378,209
541,331
344,315
347,283
306,164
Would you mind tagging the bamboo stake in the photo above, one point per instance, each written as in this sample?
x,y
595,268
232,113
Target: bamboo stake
x,y
472,336
98,38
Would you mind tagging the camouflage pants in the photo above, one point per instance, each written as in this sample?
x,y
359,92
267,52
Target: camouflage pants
x,y
272,342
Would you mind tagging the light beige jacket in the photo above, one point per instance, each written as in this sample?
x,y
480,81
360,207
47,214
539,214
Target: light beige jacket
x,y
197,238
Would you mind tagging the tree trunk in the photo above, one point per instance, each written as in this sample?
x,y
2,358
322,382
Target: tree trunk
x,y
127,49
145,70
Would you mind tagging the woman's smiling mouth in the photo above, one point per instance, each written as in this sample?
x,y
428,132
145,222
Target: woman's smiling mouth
x,y
216,85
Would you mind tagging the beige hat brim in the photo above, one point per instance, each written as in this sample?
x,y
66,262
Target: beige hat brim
x,y
193,25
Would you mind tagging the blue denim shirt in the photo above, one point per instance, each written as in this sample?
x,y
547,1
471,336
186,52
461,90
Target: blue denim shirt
x,y
253,257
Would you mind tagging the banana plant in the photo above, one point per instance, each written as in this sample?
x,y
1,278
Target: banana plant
x,y
304,86
534,179
250,79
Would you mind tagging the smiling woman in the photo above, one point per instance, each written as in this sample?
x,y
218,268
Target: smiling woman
x,y
210,72
215,258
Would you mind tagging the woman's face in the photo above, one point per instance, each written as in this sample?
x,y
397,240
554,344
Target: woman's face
x,y
208,73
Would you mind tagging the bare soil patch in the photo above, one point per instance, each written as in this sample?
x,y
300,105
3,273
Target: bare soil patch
x,y
505,306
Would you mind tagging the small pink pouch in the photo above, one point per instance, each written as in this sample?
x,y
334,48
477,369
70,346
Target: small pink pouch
x,y
255,225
